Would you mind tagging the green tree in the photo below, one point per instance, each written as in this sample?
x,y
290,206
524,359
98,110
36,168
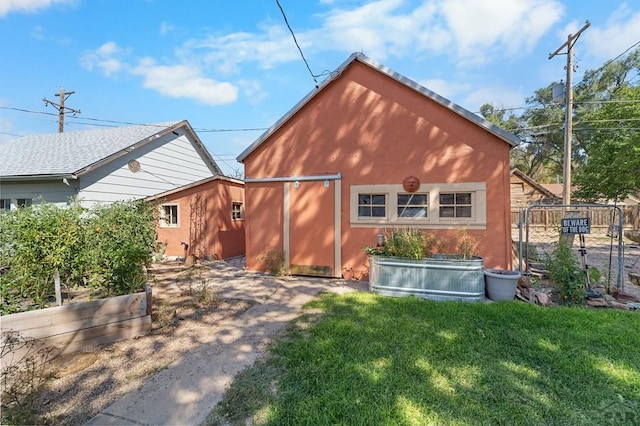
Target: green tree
x,y
612,168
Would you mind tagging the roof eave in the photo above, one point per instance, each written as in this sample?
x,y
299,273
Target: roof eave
x,y
21,178
182,124
507,137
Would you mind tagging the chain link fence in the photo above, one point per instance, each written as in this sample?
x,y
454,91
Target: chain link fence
x,y
594,231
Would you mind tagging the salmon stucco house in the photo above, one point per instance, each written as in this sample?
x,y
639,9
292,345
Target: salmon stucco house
x,y
327,177
204,219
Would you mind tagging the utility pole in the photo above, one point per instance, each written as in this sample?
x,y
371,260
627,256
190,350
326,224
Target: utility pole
x,y
568,121
61,108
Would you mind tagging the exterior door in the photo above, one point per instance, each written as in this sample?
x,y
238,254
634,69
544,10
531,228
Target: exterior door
x,y
312,228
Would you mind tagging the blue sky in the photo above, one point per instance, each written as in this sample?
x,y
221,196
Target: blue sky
x,y
232,65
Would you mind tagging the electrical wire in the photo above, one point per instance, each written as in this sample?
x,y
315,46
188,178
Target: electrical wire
x,y
114,123
286,21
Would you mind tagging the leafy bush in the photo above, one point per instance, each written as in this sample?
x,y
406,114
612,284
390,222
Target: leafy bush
x,y
104,248
122,238
405,242
565,272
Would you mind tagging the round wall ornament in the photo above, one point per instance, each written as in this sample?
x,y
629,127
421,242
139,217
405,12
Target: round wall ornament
x,y
134,166
411,184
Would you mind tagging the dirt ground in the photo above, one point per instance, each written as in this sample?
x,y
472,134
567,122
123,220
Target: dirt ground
x,y
186,305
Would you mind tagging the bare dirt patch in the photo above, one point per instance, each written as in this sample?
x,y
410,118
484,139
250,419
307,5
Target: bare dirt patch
x,y
186,306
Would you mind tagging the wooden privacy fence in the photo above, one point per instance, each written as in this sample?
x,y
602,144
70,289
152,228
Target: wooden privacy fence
x,y
73,327
546,218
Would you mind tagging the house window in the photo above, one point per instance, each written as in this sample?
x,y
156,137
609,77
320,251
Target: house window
x,y
24,202
436,206
455,205
412,205
372,205
169,215
5,204
236,211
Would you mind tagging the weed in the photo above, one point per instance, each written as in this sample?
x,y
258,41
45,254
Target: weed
x,y
22,377
274,261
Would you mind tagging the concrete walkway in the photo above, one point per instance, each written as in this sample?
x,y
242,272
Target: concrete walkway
x,y
185,392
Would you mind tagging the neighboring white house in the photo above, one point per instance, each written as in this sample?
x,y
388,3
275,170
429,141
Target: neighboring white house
x,y
102,165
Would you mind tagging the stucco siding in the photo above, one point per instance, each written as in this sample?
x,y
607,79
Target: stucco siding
x,y
376,131
205,221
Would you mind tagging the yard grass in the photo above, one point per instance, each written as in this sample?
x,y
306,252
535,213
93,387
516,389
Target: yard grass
x,y
371,360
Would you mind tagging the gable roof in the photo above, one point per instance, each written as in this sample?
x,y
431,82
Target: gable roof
x,y
538,186
220,178
508,137
54,155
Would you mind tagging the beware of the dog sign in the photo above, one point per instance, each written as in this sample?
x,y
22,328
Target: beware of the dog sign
x,y
576,225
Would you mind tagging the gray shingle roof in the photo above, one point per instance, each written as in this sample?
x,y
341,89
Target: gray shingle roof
x,y
68,153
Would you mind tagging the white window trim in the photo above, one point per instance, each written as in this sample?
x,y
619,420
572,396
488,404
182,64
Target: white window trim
x,y
233,203
162,222
478,219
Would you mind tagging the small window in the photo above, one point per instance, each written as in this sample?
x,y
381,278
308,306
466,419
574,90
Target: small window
x,y
372,205
236,211
455,205
412,205
5,204
24,202
169,215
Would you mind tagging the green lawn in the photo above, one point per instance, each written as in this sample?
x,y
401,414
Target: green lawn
x,y
371,360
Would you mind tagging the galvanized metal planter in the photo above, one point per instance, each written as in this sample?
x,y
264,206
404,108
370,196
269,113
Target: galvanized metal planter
x,y
436,278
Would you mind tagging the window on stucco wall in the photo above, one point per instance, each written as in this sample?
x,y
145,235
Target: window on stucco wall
x,y
237,211
169,215
435,205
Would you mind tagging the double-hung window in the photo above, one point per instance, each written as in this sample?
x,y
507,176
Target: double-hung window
x,y
169,215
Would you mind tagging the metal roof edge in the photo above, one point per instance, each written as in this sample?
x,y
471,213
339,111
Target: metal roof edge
x,y
17,178
508,137
193,185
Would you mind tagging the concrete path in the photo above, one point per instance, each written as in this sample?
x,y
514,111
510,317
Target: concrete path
x,y
185,392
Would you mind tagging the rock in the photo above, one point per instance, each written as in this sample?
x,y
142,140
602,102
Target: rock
x,y
628,297
543,299
634,278
618,305
633,305
598,303
524,282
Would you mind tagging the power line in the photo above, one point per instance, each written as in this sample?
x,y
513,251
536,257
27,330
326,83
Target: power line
x,y
113,123
286,21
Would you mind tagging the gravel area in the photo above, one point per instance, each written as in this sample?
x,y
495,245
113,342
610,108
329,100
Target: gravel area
x,y
187,304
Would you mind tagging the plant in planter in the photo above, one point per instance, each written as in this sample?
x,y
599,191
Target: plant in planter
x,y
406,265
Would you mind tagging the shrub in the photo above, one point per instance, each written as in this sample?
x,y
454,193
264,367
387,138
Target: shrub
x,y
274,261
121,239
565,272
105,248
405,242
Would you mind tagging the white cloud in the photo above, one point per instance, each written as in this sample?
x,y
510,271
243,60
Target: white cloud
x,y
183,81
446,88
107,58
483,27
499,96
620,32
253,91
468,31
165,28
29,6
